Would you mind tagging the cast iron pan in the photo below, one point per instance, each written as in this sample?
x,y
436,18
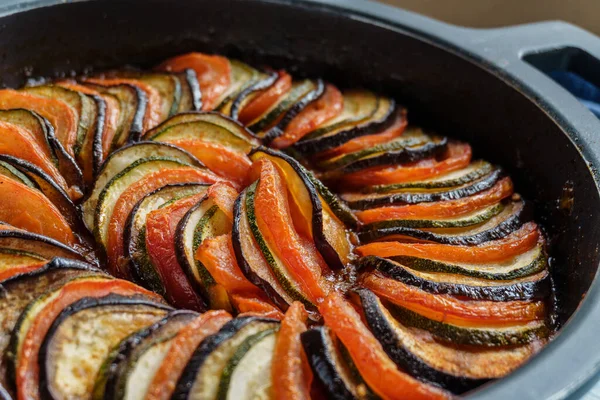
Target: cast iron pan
x,y
470,84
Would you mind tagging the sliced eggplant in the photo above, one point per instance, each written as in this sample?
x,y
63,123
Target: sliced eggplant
x,y
381,119
335,373
531,287
41,245
191,97
204,220
364,201
529,263
141,267
245,95
129,368
82,336
120,160
243,76
456,368
8,170
512,217
201,378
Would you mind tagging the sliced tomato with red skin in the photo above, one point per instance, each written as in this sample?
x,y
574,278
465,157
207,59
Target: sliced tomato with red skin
x,y
28,209
518,242
291,375
161,226
249,305
457,156
184,344
300,256
224,196
62,117
223,161
326,107
130,197
27,371
18,142
449,309
153,113
377,369
363,142
266,98
440,209
213,72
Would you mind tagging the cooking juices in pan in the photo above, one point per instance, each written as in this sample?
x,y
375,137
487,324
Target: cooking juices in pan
x,y
316,243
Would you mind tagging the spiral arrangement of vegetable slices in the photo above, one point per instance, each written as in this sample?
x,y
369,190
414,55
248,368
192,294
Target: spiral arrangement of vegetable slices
x,y
208,230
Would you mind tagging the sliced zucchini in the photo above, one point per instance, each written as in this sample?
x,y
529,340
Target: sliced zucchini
x,y
335,373
298,91
201,378
245,95
43,246
129,368
532,287
364,201
141,267
243,76
82,336
191,97
121,159
10,259
381,119
511,218
204,220
6,169
456,368
528,263
474,171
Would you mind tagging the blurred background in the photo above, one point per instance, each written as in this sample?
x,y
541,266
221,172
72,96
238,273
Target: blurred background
x,y
493,13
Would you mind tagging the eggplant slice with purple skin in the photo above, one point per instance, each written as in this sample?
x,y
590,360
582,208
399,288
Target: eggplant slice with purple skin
x,y
43,246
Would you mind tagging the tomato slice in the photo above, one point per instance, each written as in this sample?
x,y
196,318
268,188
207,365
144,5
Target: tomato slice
x,y
266,98
255,306
153,112
15,270
161,226
291,375
28,209
181,350
20,143
364,142
61,116
213,72
224,197
328,106
225,162
274,220
27,373
512,245
457,156
440,209
449,309
377,369
129,198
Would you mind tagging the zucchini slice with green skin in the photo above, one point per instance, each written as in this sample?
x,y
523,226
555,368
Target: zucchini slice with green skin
x,y
381,119
468,220
334,372
141,267
234,127
129,368
278,130
247,374
117,185
191,96
44,246
277,267
298,91
83,105
69,363
250,259
246,94
243,76
133,104
8,170
120,160
204,220
327,228
201,376
512,217
474,171
531,287
365,201
528,263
